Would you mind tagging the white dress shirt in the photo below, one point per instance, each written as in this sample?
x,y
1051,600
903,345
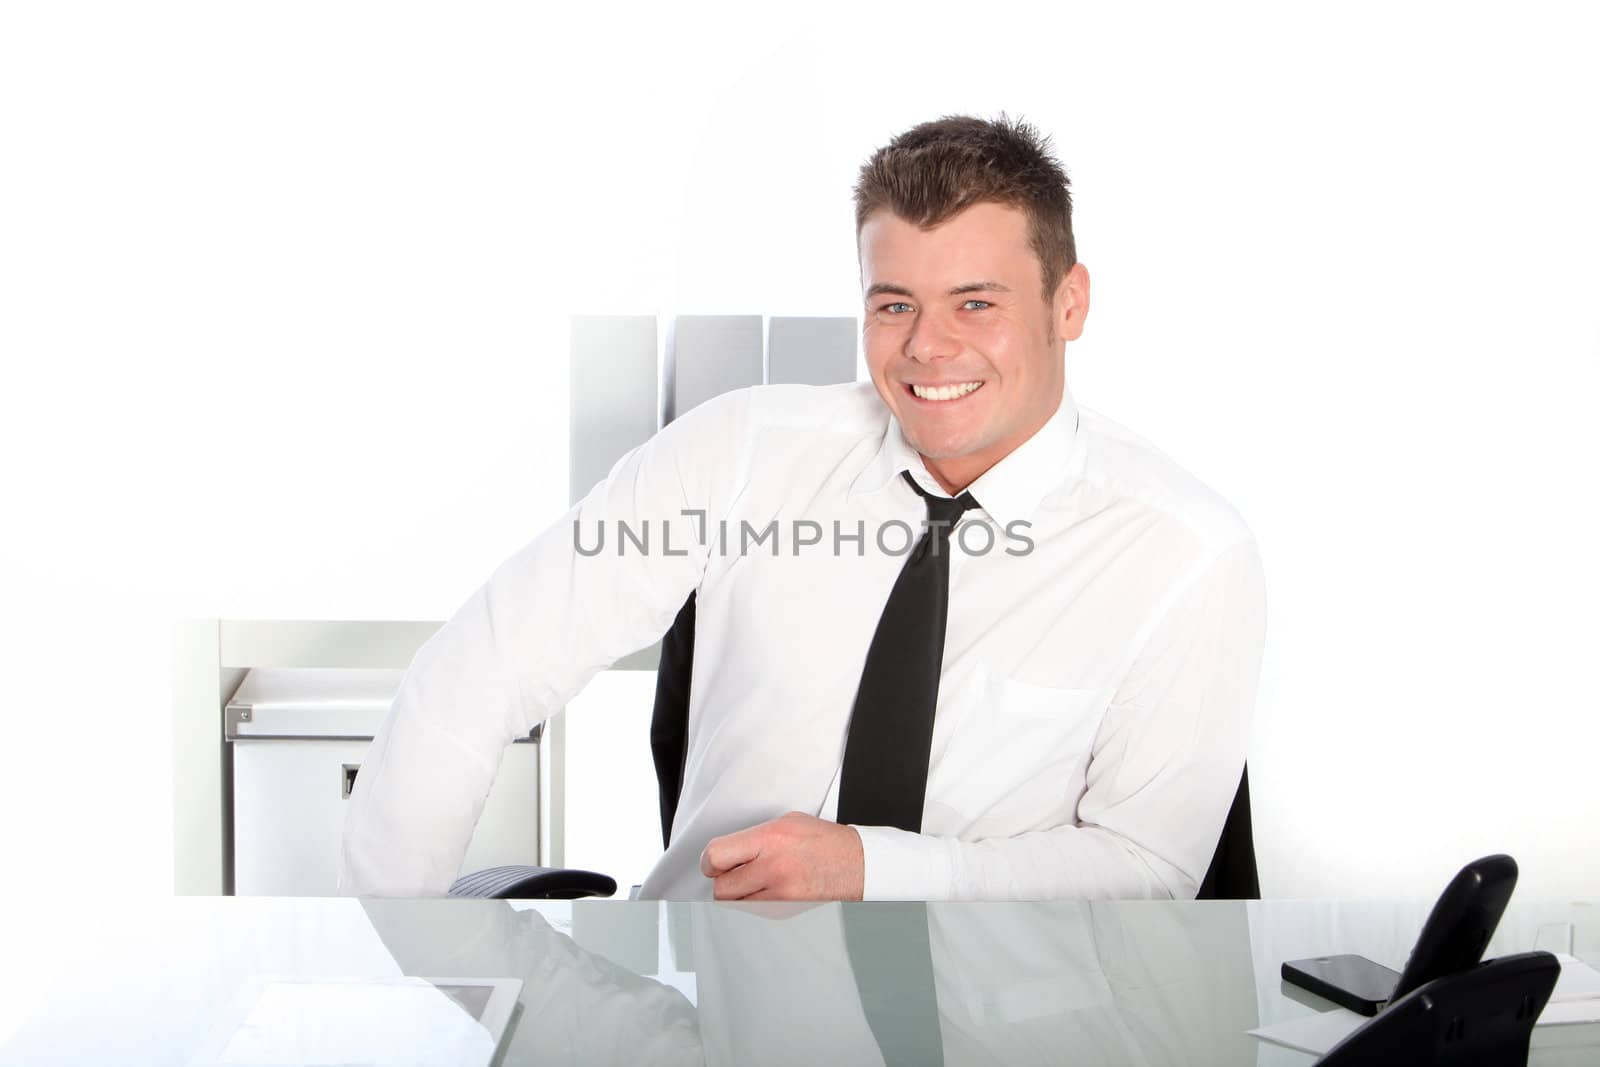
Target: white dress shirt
x,y
1100,660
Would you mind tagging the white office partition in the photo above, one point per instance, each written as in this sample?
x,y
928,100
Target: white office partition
x,y
613,390
708,355
615,407
202,786
811,351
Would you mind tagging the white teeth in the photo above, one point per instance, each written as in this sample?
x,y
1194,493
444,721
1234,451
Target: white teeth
x,y
944,392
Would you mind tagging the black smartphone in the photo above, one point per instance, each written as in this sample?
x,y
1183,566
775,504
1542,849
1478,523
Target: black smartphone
x,y
1353,982
1453,938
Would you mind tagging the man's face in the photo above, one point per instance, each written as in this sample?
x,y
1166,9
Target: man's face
x,y
959,338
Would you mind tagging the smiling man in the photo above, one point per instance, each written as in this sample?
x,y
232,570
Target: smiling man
x,y
984,644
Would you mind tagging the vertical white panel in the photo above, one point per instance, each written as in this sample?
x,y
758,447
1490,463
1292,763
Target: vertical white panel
x,y
615,408
199,841
711,354
553,792
811,351
613,390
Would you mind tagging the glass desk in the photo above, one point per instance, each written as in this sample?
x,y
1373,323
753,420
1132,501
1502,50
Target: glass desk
x,y
145,981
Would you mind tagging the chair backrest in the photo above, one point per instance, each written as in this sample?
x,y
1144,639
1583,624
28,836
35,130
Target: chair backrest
x,y
669,721
1232,874
1480,1017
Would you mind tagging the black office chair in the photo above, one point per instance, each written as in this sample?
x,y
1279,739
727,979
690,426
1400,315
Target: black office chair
x,y
1231,876
1480,1017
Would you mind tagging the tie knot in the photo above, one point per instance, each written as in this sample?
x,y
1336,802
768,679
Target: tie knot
x,y
942,509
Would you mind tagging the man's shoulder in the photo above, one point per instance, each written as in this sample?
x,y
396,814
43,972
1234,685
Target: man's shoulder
x,y
848,407
1127,467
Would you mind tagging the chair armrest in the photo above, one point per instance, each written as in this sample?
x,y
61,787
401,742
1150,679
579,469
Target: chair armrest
x,y
533,883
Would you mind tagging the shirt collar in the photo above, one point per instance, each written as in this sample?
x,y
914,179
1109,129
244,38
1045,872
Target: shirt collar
x,y
1008,491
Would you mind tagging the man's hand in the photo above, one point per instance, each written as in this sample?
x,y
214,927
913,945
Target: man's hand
x,y
794,857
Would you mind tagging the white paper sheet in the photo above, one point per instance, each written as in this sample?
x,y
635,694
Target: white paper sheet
x,y
1578,981
1576,999
1315,1034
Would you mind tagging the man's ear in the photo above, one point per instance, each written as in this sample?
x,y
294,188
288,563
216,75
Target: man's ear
x,y
1071,304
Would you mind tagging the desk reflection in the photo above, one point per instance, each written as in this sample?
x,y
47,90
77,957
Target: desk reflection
x,y
577,1007
1066,982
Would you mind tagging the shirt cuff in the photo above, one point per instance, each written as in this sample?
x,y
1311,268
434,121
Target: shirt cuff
x,y
901,865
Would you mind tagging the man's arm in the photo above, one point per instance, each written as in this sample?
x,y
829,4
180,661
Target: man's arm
x,y
1163,772
547,620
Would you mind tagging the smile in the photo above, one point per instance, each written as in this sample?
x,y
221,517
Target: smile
x,y
945,392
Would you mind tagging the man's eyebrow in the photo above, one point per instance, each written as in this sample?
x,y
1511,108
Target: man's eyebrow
x,y
887,287
883,288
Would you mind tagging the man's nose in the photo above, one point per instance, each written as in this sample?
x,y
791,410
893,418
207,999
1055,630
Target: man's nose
x,y
931,338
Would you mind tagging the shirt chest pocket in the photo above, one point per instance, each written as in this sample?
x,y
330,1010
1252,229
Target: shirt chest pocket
x,y
1016,758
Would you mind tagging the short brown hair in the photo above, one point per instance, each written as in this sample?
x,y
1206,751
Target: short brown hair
x,y
938,169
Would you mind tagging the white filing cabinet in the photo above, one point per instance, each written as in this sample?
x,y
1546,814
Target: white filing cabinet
x,y
272,719
298,737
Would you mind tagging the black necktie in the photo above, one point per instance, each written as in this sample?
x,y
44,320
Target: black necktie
x,y
890,948
885,773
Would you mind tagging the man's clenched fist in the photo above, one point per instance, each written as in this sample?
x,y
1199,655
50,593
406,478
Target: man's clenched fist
x,y
793,857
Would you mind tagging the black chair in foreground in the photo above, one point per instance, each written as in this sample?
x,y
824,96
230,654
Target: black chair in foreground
x,y
1231,875
1481,1017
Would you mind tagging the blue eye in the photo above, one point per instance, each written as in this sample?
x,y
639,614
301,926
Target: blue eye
x,y
890,307
985,303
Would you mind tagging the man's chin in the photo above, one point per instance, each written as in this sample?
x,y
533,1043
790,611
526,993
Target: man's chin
x,y
941,448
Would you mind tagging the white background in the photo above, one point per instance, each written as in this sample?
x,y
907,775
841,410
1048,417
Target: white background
x,y
284,292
